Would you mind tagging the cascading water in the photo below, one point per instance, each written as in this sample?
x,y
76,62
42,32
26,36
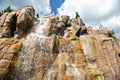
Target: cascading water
x,y
37,56
34,50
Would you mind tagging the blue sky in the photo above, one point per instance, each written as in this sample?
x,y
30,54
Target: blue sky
x,y
93,12
55,4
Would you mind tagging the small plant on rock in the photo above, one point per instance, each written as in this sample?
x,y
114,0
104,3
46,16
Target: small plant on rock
x,y
113,33
77,15
37,15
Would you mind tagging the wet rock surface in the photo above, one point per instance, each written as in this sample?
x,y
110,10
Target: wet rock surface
x,y
56,48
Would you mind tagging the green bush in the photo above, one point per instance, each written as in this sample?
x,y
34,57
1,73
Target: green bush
x,y
77,15
113,34
8,9
37,15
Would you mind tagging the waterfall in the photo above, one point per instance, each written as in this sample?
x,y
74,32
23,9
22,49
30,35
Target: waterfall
x,y
34,50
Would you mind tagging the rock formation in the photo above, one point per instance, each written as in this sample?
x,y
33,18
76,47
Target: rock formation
x,y
16,22
55,48
8,24
8,49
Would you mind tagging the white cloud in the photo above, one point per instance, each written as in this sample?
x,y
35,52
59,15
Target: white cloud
x,y
93,12
41,6
113,24
95,9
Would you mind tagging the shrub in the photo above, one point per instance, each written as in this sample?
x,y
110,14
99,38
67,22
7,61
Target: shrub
x,y
77,15
8,9
37,15
113,34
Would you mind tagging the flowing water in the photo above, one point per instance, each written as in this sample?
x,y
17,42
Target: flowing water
x,y
36,48
37,56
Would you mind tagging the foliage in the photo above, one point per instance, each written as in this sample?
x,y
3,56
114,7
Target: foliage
x,y
8,9
113,33
77,15
37,15
1,12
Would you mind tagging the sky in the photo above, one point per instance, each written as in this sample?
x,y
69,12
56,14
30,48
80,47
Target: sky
x,y
93,12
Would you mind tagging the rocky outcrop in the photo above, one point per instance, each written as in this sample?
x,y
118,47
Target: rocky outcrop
x,y
57,48
8,49
77,21
16,22
8,24
56,25
25,18
102,54
100,31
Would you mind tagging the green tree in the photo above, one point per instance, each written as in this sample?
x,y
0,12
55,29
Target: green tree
x,y
77,15
8,9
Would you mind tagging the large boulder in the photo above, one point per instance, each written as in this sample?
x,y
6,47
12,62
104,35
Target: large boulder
x,y
76,21
16,22
25,18
56,25
8,24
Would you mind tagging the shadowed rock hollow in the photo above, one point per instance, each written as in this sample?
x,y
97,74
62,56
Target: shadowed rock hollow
x,y
55,48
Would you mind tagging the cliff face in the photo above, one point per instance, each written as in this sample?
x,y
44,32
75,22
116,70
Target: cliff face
x,y
55,48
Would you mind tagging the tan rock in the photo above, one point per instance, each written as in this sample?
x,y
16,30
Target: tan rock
x,y
78,55
4,63
70,33
25,18
8,24
8,56
2,19
80,22
3,71
7,48
77,21
15,48
56,25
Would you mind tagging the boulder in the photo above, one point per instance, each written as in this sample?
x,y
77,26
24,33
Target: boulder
x,y
80,22
56,25
16,22
8,49
25,18
8,24
77,21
